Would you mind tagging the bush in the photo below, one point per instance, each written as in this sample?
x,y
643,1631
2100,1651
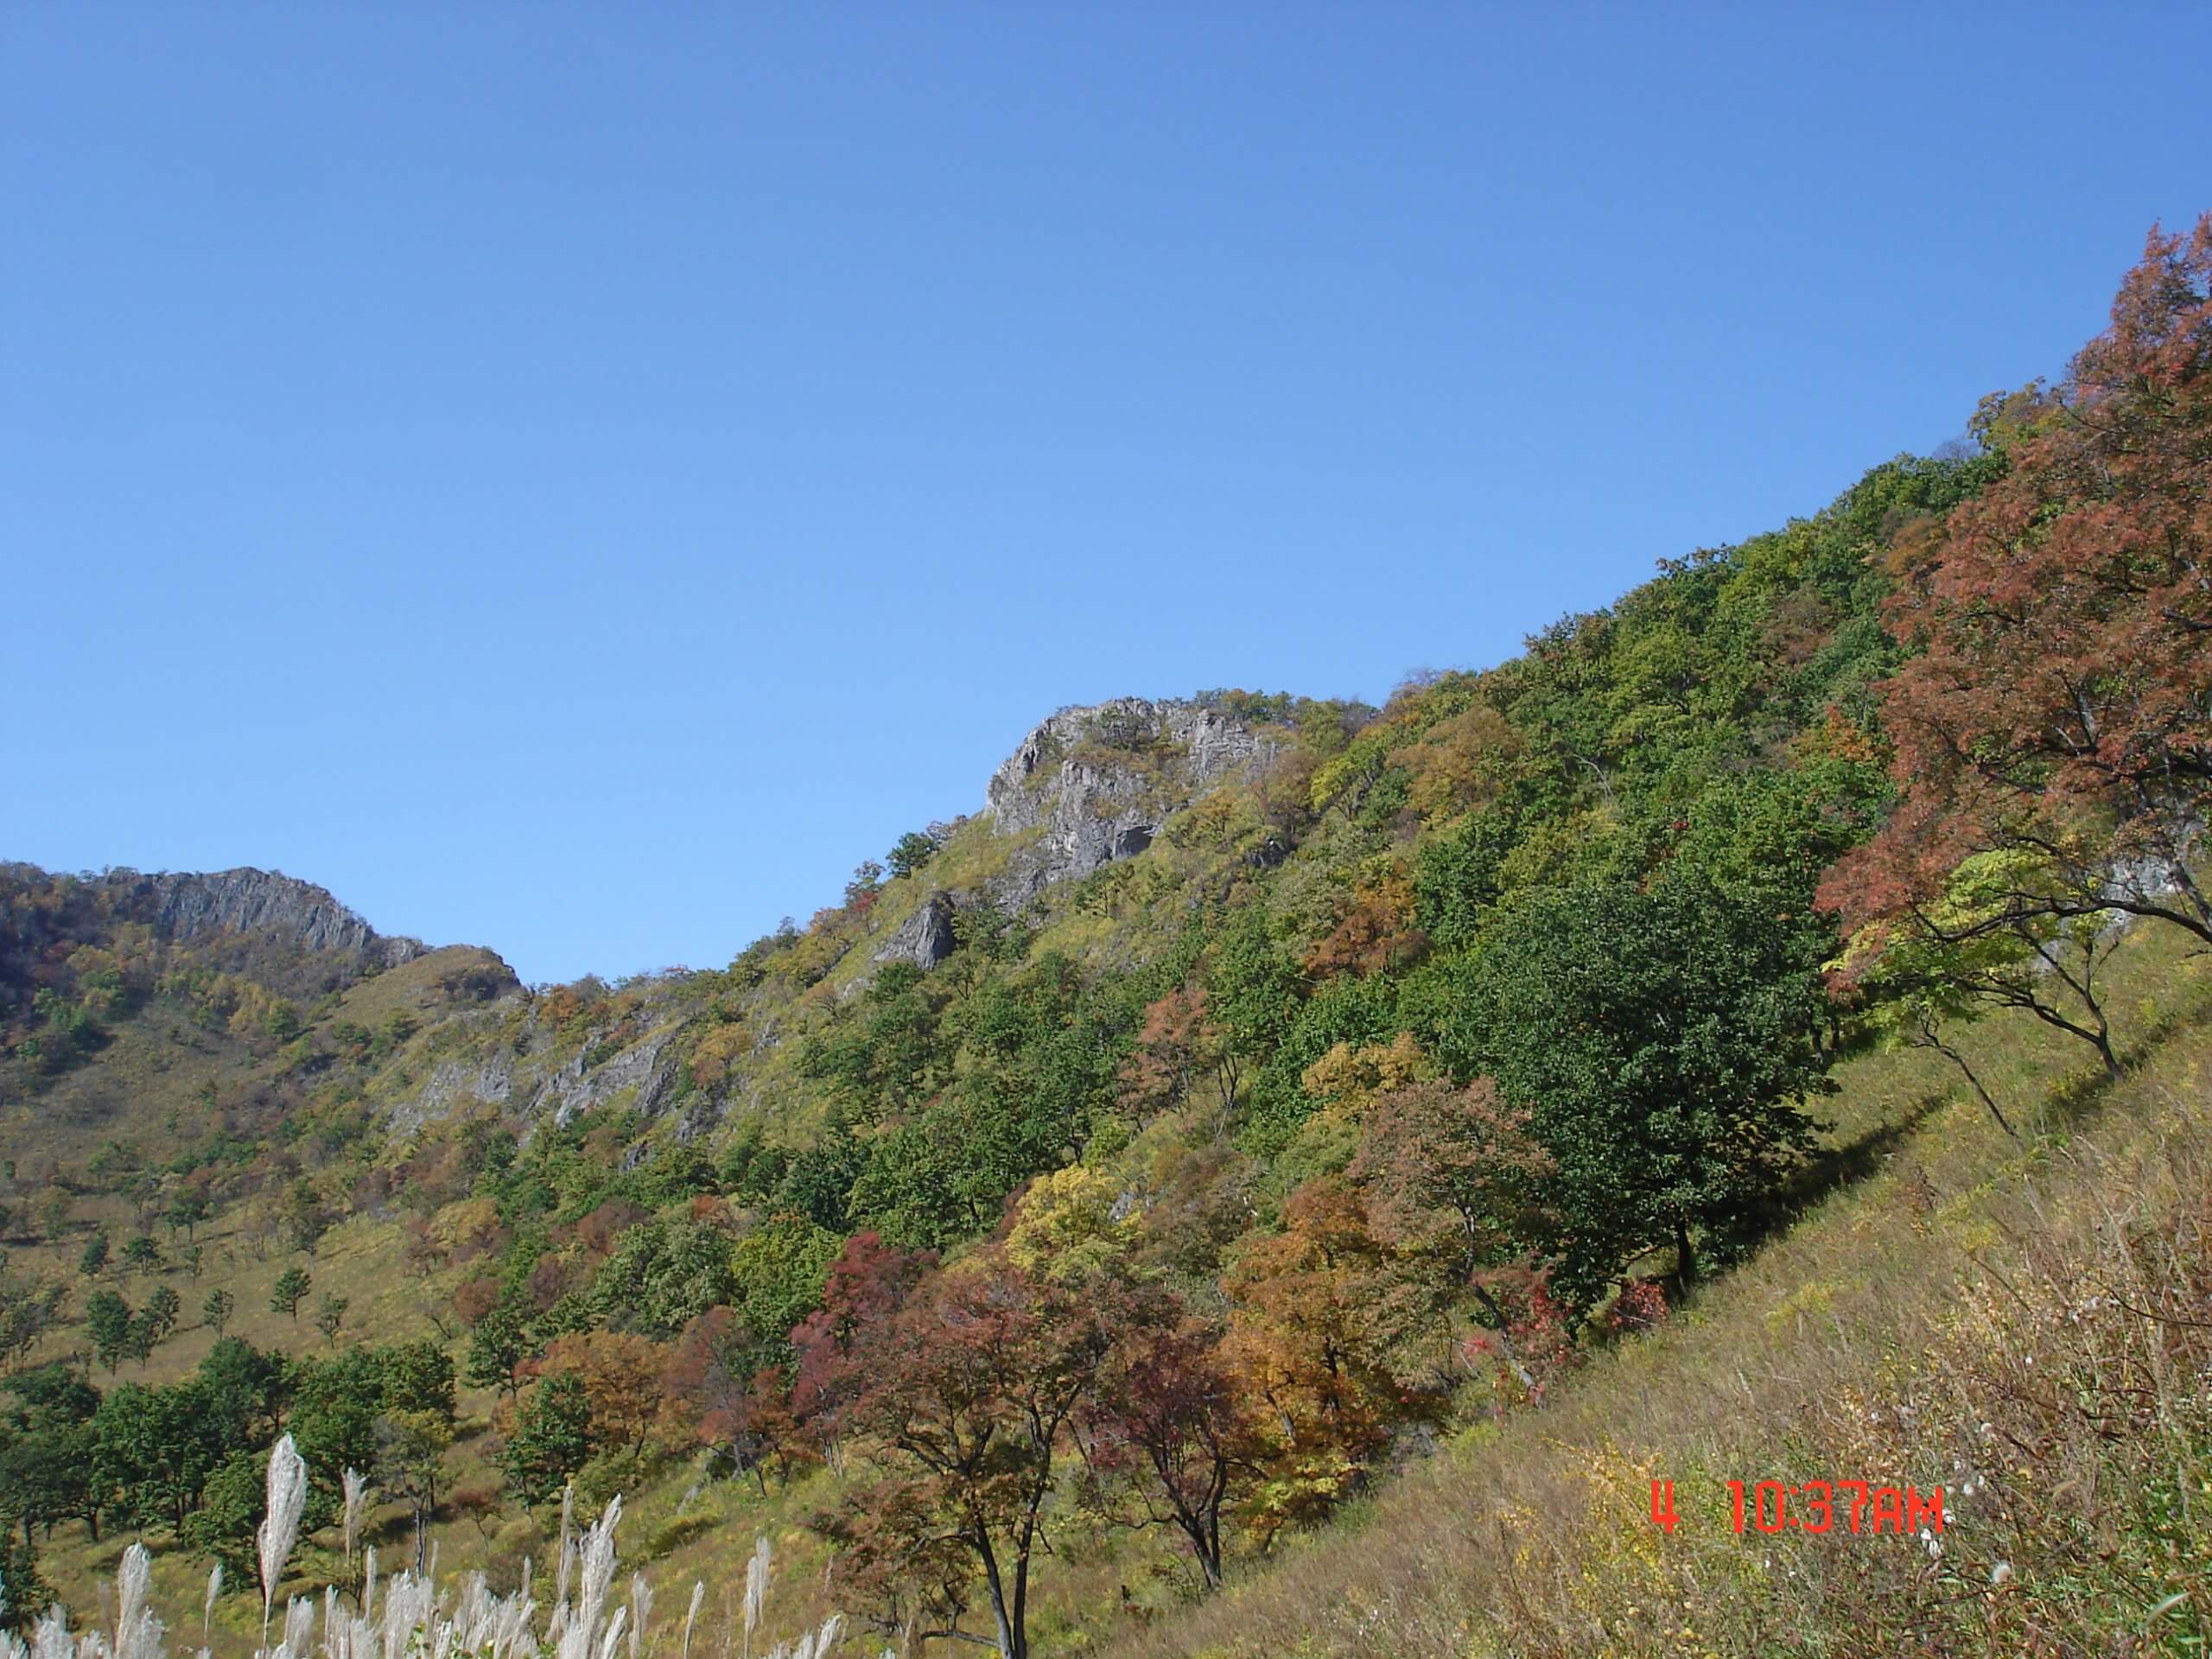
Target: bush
x,y
676,1532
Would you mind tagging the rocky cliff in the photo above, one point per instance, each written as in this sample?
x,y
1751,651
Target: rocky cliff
x,y
1099,782
191,908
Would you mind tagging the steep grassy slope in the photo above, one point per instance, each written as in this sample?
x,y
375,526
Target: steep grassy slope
x,y
2028,1328
1945,1272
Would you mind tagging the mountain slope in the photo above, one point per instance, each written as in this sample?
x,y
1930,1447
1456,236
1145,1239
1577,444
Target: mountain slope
x,y
1140,1177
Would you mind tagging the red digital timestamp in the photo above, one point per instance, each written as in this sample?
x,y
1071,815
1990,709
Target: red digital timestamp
x,y
1857,1506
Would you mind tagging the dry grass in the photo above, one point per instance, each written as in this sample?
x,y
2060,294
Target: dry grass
x,y
2031,1332
2046,1294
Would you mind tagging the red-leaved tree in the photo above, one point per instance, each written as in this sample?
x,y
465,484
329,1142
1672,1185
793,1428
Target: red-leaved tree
x,y
966,1397
2059,709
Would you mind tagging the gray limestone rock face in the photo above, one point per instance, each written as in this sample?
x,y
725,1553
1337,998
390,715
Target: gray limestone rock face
x,y
925,938
190,908
1097,784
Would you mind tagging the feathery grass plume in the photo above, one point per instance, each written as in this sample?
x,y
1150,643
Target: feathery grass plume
x,y
561,1556
299,1625
137,1632
756,1589
595,1560
641,1609
698,1595
280,1527
207,1611
814,1644
356,1485
369,1582
50,1639
408,1604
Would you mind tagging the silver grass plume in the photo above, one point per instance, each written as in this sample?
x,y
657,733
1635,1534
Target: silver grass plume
x,y
408,1610
369,1582
698,1595
756,1589
137,1632
51,1639
280,1527
299,1625
356,1485
641,1609
596,1561
207,1611
563,1558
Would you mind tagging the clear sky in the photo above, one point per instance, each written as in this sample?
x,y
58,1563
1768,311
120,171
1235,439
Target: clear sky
x,y
577,480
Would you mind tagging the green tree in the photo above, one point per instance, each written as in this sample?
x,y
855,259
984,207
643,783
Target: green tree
x,y
157,1446
24,1595
330,1315
412,1447
94,1261
419,1377
157,1320
186,1212
290,1290
335,1405
245,1390
551,1438
224,1527
1662,1040
54,1206
497,1348
108,1321
306,1218
141,1254
46,1453
29,1308
215,1313
780,1266
913,851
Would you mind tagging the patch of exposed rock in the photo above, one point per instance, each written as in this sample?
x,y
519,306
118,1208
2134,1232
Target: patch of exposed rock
x,y
926,938
1097,784
192,908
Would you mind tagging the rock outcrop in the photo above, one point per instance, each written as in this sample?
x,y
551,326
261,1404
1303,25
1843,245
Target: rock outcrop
x,y
195,908
1096,785
926,938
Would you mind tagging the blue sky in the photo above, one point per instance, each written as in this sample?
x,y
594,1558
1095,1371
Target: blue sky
x,y
579,479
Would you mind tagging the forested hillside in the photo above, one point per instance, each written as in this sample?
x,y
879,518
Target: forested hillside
x,y
1259,1106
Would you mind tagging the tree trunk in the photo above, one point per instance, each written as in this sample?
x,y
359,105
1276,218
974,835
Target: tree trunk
x,y
1504,1341
1930,1036
1685,1258
1012,1641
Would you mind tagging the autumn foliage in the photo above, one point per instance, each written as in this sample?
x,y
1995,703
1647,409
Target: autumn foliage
x,y
2059,702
